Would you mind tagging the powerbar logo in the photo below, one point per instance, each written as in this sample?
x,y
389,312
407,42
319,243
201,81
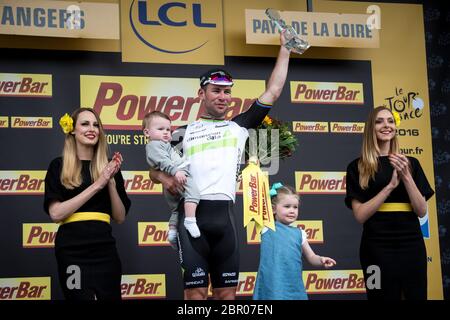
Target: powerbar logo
x,y
25,85
334,282
4,122
122,102
327,92
239,186
324,127
39,235
143,286
245,285
22,182
153,234
347,127
316,282
313,229
309,182
37,288
138,182
309,126
32,122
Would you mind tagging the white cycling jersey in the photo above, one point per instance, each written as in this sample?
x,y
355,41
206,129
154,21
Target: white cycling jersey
x,y
214,150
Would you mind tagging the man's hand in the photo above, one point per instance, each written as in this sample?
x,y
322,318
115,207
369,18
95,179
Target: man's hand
x,y
180,176
169,183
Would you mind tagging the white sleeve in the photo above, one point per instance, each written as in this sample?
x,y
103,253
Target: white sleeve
x,y
304,237
264,229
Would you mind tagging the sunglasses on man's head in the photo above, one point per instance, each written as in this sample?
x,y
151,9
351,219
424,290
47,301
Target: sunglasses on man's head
x,y
220,76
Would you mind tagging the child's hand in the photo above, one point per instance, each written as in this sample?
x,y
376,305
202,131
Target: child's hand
x,y
180,176
327,262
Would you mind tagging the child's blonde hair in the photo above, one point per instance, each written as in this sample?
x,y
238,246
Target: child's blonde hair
x,y
283,191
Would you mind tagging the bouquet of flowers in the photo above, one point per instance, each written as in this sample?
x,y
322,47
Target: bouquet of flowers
x,y
287,142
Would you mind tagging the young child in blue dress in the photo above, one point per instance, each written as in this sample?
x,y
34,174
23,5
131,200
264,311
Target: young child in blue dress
x,y
280,266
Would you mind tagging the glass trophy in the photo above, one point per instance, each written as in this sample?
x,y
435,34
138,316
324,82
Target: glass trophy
x,y
294,43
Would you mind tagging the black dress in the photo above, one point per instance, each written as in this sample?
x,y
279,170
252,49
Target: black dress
x,y
86,244
392,241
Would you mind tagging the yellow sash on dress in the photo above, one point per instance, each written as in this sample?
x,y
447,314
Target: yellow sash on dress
x,y
395,206
85,216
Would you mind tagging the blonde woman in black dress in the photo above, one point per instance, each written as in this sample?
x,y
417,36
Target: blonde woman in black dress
x,y
83,191
387,192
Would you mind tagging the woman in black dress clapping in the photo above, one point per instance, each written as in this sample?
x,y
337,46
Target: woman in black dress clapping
x,y
387,192
83,191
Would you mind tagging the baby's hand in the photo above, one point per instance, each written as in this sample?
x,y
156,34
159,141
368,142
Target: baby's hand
x,y
327,262
180,176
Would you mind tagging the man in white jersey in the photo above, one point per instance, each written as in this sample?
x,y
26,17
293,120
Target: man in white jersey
x,y
214,147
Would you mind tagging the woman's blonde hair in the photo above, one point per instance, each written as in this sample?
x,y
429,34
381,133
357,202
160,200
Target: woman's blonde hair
x,y
368,163
71,169
284,191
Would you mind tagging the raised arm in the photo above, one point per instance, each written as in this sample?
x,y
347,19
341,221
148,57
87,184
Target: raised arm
x,y
278,77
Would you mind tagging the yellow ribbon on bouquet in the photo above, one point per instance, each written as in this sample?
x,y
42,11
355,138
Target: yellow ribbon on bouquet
x,y
257,203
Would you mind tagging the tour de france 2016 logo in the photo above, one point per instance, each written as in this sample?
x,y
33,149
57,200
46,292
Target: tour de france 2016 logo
x,y
145,14
407,103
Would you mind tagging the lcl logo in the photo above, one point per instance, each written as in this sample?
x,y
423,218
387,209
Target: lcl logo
x,y
165,15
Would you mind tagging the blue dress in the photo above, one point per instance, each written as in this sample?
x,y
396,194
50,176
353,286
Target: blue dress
x,y
280,266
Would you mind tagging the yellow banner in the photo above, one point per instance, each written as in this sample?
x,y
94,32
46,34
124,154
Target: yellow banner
x,y
313,229
327,92
122,102
139,182
36,288
256,198
32,122
39,235
310,126
4,122
29,182
347,127
143,286
319,182
160,31
153,233
25,85
334,281
320,29
66,19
